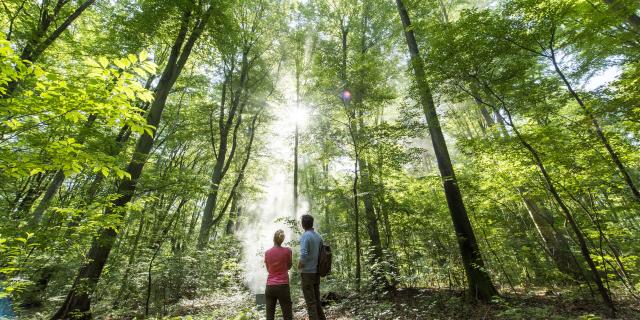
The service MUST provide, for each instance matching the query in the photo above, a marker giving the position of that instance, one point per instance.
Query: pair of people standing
(279, 260)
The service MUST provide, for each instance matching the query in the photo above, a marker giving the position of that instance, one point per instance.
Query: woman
(278, 262)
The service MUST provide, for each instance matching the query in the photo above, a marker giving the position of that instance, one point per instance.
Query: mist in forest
(273, 208)
(262, 219)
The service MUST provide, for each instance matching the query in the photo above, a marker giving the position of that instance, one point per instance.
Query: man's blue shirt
(309, 251)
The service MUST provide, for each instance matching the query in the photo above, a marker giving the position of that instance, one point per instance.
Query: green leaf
(143, 55)
(140, 72)
(132, 58)
(130, 94)
(145, 96)
(103, 62)
(38, 72)
(149, 130)
(35, 171)
(91, 63)
(122, 63)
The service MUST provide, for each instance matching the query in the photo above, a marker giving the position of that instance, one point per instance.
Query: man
(308, 265)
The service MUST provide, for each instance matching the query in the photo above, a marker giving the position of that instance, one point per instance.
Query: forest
(464, 159)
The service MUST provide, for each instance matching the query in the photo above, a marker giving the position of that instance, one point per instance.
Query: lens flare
(346, 96)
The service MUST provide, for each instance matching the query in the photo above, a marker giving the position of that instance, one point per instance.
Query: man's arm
(304, 250)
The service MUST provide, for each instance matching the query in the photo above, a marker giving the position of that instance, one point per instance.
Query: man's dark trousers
(311, 292)
(278, 293)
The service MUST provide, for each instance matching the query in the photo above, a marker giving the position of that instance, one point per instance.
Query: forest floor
(414, 303)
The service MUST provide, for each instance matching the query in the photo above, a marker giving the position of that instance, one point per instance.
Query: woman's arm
(290, 262)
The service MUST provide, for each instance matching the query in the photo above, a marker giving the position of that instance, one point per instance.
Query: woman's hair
(278, 237)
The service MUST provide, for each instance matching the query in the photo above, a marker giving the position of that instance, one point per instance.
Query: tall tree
(480, 284)
(194, 18)
(241, 60)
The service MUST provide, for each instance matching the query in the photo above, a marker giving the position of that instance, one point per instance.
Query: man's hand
(300, 264)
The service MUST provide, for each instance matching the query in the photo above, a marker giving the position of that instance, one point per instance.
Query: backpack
(324, 260)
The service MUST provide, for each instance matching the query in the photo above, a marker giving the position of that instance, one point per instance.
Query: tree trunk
(356, 213)
(296, 139)
(596, 125)
(52, 188)
(123, 292)
(32, 194)
(586, 254)
(243, 167)
(382, 204)
(295, 174)
(223, 160)
(480, 284)
(378, 273)
(78, 301)
(39, 41)
(36, 44)
(356, 210)
(555, 243)
(378, 269)
(58, 178)
(157, 246)
(231, 222)
(325, 196)
(212, 197)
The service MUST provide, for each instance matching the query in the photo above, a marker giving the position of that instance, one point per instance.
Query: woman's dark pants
(282, 294)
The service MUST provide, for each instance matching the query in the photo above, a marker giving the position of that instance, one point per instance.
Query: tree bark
(356, 213)
(479, 282)
(373, 231)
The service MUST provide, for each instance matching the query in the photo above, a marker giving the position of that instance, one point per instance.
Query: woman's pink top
(278, 260)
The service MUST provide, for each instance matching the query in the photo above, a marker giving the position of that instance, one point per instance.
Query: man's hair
(307, 221)
(278, 237)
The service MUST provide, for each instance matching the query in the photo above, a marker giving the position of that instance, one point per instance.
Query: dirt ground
(422, 303)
